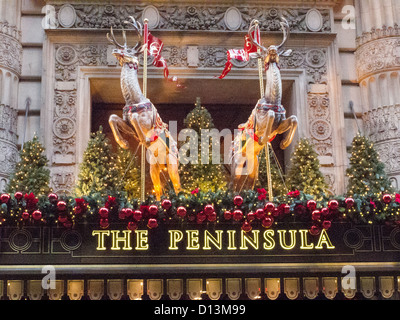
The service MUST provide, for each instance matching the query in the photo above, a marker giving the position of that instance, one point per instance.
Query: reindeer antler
(138, 27)
(253, 26)
(114, 41)
(286, 31)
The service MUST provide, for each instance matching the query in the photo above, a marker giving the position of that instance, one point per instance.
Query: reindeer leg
(116, 123)
(155, 177)
(291, 125)
(266, 136)
(133, 118)
(172, 164)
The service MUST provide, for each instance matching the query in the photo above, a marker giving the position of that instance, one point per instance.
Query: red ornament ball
(78, 210)
(18, 195)
(128, 212)
(246, 227)
(4, 198)
(324, 212)
(387, 198)
(37, 215)
(275, 213)
(238, 201)
(137, 215)
(153, 210)
(316, 215)
(62, 218)
(349, 202)
(212, 216)
(208, 209)
(68, 224)
(61, 205)
(103, 212)
(104, 224)
(201, 216)
(181, 212)
(315, 230)
(251, 216)
(53, 197)
(333, 205)
(260, 214)
(238, 215)
(269, 207)
(267, 222)
(132, 225)
(166, 204)
(227, 215)
(25, 215)
(326, 224)
(311, 205)
(286, 209)
(152, 223)
(122, 214)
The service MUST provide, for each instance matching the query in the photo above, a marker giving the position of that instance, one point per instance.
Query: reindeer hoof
(284, 145)
(124, 144)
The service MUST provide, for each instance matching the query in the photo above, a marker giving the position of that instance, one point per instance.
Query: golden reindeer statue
(268, 118)
(140, 117)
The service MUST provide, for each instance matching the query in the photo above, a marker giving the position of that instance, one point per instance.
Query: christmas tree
(197, 173)
(98, 171)
(304, 172)
(278, 183)
(31, 174)
(129, 173)
(366, 172)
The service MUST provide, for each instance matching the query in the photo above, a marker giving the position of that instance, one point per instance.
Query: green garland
(202, 207)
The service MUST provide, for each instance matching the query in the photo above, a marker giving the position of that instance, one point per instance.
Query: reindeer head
(272, 53)
(123, 53)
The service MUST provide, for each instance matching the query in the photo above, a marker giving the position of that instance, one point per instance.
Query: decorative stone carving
(152, 15)
(378, 56)
(8, 157)
(62, 180)
(377, 34)
(10, 53)
(383, 123)
(198, 17)
(10, 30)
(64, 128)
(314, 20)
(233, 18)
(66, 16)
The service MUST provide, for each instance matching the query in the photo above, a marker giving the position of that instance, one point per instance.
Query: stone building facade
(55, 62)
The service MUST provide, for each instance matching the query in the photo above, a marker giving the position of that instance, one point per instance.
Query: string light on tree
(366, 172)
(210, 177)
(31, 173)
(304, 173)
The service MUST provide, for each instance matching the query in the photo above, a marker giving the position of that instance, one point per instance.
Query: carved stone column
(10, 70)
(378, 68)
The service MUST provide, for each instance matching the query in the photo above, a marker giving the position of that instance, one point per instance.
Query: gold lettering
(193, 240)
(116, 239)
(231, 240)
(174, 237)
(324, 239)
(282, 239)
(269, 243)
(304, 240)
(245, 238)
(100, 238)
(217, 242)
(141, 240)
